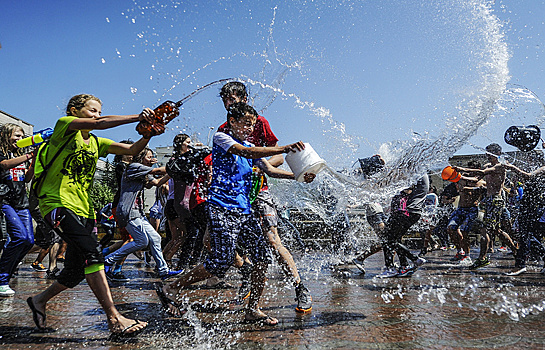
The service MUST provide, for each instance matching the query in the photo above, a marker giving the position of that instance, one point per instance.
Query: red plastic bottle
(164, 113)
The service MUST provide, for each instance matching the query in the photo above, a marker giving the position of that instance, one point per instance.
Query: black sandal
(166, 302)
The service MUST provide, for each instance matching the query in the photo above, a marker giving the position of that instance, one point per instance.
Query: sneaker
(359, 264)
(6, 291)
(419, 262)
(52, 274)
(443, 248)
(517, 271)
(303, 298)
(466, 261)
(480, 263)
(389, 273)
(459, 256)
(244, 290)
(38, 267)
(170, 274)
(502, 249)
(406, 271)
(117, 277)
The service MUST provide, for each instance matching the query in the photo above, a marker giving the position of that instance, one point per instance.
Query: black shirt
(14, 178)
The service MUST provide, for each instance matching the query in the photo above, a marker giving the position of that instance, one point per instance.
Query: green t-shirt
(69, 178)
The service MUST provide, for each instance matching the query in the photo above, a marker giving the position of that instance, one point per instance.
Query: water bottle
(36, 139)
(164, 113)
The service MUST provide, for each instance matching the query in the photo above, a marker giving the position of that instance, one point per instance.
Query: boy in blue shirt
(229, 210)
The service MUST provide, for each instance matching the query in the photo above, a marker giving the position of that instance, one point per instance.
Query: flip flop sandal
(263, 321)
(35, 314)
(166, 302)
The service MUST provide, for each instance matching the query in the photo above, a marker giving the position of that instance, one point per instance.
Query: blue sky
(350, 77)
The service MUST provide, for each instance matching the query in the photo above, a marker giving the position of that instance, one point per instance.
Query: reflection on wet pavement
(439, 307)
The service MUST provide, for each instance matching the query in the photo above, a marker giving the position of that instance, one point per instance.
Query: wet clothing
(494, 208)
(70, 177)
(17, 218)
(463, 218)
(406, 211)
(130, 214)
(264, 207)
(530, 221)
(131, 204)
(230, 218)
(232, 175)
(262, 136)
(64, 196)
(82, 248)
(229, 227)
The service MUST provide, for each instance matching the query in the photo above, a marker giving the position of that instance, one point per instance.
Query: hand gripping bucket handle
(305, 161)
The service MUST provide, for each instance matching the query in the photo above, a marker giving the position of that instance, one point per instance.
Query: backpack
(41, 173)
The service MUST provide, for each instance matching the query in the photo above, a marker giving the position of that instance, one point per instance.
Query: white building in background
(8, 118)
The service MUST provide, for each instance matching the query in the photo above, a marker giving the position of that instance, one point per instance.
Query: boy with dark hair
(231, 220)
(264, 205)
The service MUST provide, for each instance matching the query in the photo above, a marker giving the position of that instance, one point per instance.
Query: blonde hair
(6, 131)
(79, 102)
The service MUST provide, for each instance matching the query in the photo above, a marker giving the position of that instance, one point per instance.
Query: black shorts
(82, 250)
(170, 211)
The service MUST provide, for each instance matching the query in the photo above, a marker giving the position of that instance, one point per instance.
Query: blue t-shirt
(231, 175)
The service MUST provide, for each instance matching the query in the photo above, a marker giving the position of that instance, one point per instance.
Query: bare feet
(257, 316)
(124, 326)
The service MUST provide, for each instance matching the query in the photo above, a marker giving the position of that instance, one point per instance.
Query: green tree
(101, 194)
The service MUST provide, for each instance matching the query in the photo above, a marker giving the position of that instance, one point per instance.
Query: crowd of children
(215, 215)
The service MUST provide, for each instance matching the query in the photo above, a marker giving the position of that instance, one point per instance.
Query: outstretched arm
(107, 122)
(262, 152)
(129, 150)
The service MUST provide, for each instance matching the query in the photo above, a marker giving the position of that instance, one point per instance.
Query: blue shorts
(463, 218)
(377, 219)
(229, 228)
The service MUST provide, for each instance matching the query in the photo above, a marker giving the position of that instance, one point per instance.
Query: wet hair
(239, 110)
(234, 88)
(6, 131)
(140, 156)
(494, 148)
(79, 102)
(119, 157)
(178, 142)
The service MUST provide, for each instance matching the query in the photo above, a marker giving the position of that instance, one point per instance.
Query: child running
(230, 216)
(15, 206)
(65, 167)
(130, 214)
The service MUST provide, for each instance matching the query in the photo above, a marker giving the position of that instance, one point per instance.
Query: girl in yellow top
(64, 173)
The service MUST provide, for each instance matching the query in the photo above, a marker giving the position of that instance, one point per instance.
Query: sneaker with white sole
(419, 262)
(389, 273)
(518, 271)
(6, 291)
(466, 261)
(406, 271)
(359, 264)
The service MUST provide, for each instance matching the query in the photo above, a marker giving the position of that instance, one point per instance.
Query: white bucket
(305, 161)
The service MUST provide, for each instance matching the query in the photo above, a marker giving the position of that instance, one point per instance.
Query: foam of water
(469, 27)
